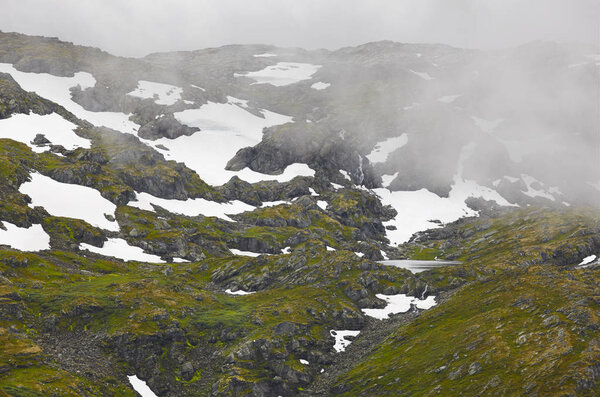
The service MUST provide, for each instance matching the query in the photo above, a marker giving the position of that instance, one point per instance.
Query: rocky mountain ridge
(235, 209)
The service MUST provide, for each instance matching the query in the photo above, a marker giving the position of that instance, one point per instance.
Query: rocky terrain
(212, 221)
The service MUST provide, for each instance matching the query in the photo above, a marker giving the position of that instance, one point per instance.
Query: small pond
(417, 266)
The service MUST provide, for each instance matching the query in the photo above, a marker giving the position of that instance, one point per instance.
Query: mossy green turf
(500, 324)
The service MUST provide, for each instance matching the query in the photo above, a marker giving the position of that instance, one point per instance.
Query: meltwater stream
(417, 266)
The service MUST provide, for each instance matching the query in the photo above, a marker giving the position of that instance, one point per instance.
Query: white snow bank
(416, 208)
(33, 238)
(245, 253)
(68, 200)
(423, 75)
(119, 248)
(57, 88)
(282, 73)
(24, 128)
(238, 292)
(587, 260)
(388, 179)
(383, 149)
(163, 94)
(531, 191)
(346, 175)
(141, 387)
(264, 55)
(226, 128)
(449, 98)
(398, 304)
(191, 207)
(340, 339)
(320, 85)
(322, 204)
(302, 361)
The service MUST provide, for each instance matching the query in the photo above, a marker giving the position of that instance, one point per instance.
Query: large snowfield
(57, 89)
(24, 128)
(69, 200)
(282, 73)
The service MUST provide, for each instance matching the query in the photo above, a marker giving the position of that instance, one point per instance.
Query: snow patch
(532, 192)
(340, 338)
(400, 303)
(163, 94)
(245, 253)
(33, 238)
(68, 200)
(322, 204)
(57, 90)
(587, 260)
(264, 55)
(383, 149)
(191, 207)
(320, 85)
(302, 361)
(238, 292)
(119, 248)
(416, 208)
(141, 387)
(226, 128)
(24, 127)
(282, 73)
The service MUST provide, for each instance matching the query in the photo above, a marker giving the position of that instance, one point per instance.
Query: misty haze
(299, 198)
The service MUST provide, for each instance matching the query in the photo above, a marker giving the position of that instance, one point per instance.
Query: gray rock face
(165, 127)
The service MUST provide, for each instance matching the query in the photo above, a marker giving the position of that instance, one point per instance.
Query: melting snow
(531, 192)
(191, 207)
(238, 292)
(423, 75)
(57, 88)
(382, 150)
(320, 85)
(282, 73)
(302, 361)
(119, 248)
(345, 175)
(330, 248)
(33, 238)
(286, 250)
(164, 94)
(226, 128)
(417, 208)
(340, 338)
(24, 128)
(312, 191)
(141, 387)
(322, 204)
(388, 179)
(68, 200)
(245, 253)
(398, 304)
(587, 260)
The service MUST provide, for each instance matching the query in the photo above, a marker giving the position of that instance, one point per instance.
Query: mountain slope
(210, 221)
